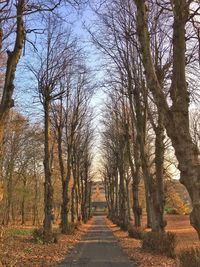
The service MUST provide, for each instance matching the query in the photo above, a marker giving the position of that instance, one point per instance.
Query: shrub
(135, 232)
(163, 243)
(116, 221)
(38, 236)
(71, 227)
(189, 257)
(123, 226)
(172, 211)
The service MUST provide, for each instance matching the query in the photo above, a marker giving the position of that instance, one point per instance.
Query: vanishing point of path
(98, 248)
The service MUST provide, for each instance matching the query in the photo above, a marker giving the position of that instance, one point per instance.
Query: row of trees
(152, 49)
(62, 143)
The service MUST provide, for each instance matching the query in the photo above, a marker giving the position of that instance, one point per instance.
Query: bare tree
(176, 116)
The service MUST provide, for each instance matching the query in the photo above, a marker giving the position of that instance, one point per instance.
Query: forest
(100, 90)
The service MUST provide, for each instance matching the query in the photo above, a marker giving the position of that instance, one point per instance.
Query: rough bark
(65, 207)
(13, 58)
(148, 179)
(176, 118)
(135, 177)
(48, 188)
(159, 163)
(123, 214)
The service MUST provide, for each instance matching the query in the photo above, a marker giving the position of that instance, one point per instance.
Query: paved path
(98, 248)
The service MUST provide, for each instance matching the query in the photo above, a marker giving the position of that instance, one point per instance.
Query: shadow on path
(98, 248)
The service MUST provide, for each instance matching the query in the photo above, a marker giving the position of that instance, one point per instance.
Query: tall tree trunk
(65, 195)
(65, 207)
(48, 188)
(89, 201)
(148, 179)
(123, 215)
(23, 202)
(116, 196)
(176, 118)
(135, 173)
(137, 211)
(35, 203)
(159, 163)
(73, 203)
(7, 217)
(13, 58)
(23, 211)
(128, 199)
(86, 196)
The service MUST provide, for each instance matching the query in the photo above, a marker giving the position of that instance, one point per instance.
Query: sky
(26, 100)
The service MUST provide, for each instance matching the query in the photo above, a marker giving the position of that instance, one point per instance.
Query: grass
(18, 249)
(19, 231)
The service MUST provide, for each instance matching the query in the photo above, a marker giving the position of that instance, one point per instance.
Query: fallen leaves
(21, 251)
(133, 249)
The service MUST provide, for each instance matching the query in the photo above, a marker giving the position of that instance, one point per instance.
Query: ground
(186, 237)
(18, 249)
(98, 248)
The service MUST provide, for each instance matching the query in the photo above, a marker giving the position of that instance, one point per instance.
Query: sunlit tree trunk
(176, 118)
(7, 101)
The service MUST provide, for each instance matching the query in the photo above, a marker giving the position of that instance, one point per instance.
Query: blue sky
(25, 96)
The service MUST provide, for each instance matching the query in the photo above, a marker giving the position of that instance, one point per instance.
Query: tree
(121, 48)
(176, 116)
(69, 118)
(52, 64)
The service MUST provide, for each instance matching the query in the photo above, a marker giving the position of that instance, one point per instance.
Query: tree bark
(159, 163)
(176, 118)
(48, 188)
(13, 58)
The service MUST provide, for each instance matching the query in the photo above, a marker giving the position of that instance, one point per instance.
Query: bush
(71, 227)
(39, 237)
(135, 232)
(163, 243)
(190, 257)
(116, 221)
(172, 211)
(123, 226)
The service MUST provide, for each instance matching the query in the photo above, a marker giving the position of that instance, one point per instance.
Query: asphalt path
(98, 248)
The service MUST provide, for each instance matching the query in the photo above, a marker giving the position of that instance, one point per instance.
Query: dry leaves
(133, 249)
(22, 251)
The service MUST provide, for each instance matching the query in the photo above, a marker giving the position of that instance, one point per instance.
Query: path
(98, 248)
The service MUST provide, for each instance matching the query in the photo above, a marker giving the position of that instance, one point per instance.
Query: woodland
(120, 106)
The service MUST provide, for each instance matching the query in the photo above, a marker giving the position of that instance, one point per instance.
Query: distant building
(98, 197)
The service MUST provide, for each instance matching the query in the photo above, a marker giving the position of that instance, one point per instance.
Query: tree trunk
(116, 196)
(13, 58)
(159, 163)
(65, 207)
(23, 211)
(35, 203)
(176, 118)
(48, 189)
(123, 215)
(7, 217)
(128, 199)
(73, 203)
(148, 179)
